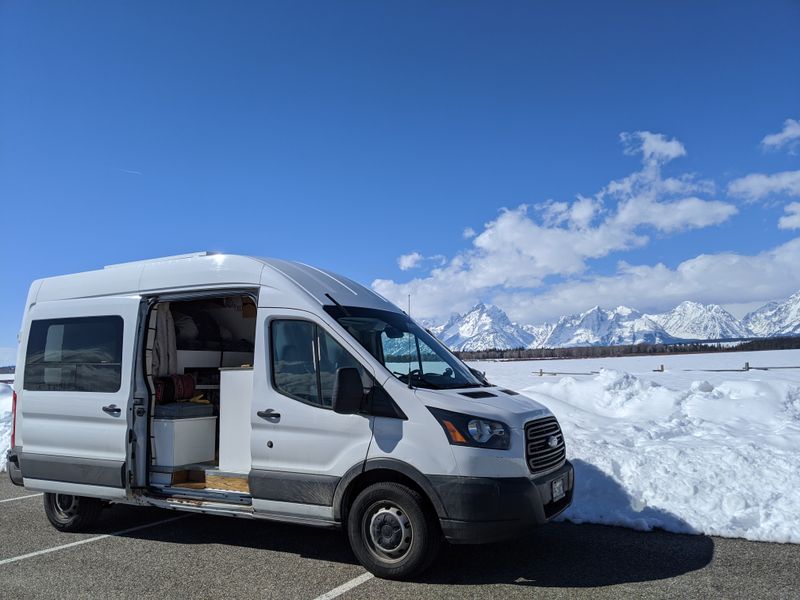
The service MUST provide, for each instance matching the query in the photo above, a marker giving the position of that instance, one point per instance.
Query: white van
(268, 389)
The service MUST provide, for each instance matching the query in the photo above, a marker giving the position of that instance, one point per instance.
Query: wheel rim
(387, 532)
(66, 506)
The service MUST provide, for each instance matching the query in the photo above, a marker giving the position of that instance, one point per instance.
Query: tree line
(775, 343)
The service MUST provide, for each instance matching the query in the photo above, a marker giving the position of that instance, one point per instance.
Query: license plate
(558, 489)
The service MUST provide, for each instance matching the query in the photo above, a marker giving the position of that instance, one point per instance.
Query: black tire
(71, 513)
(392, 531)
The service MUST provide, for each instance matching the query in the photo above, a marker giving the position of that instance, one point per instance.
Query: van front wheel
(71, 513)
(392, 531)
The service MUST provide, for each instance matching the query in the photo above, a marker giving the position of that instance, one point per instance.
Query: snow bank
(5, 423)
(720, 459)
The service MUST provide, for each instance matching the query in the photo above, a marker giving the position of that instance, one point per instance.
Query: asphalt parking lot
(138, 552)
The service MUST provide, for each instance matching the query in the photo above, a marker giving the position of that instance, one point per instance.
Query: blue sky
(349, 134)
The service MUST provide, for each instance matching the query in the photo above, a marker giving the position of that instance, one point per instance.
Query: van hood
(513, 409)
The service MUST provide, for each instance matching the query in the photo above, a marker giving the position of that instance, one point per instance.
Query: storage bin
(184, 441)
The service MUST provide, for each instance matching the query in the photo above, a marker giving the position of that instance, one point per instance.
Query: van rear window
(81, 354)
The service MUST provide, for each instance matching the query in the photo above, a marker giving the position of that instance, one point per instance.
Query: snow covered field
(686, 451)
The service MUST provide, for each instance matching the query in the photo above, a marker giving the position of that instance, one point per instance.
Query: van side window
(332, 357)
(305, 359)
(293, 365)
(74, 355)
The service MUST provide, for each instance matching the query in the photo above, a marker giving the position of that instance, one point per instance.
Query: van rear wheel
(71, 513)
(392, 531)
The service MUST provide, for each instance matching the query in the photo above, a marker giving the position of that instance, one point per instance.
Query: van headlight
(469, 430)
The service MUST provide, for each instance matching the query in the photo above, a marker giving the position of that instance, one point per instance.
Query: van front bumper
(488, 509)
(12, 466)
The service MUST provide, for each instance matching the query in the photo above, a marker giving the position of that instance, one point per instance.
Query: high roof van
(268, 389)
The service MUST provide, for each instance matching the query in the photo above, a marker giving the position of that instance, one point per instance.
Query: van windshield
(405, 348)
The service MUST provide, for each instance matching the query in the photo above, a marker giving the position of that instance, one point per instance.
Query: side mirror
(348, 391)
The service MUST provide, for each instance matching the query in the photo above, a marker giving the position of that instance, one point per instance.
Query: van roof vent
(162, 259)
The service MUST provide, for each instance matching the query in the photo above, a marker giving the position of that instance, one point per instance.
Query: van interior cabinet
(236, 388)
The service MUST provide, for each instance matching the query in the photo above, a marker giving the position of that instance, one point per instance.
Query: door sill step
(208, 506)
(206, 495)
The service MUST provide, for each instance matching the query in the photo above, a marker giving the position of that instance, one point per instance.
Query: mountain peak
(691, 304)
(695, 321)
(595, 309)
(625, 311)
(776, 318)
(483, 327)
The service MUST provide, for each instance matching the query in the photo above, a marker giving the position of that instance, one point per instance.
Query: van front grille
(544, 445)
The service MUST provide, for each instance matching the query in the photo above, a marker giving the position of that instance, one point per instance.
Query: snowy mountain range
(486, 326)
(775, 318)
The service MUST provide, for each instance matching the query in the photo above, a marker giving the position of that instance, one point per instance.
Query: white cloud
(719, 278)
(522, 247)
(415, 259)
(789, 137)
(687, 213)
(758, 186)
(468, 233)
(653, 146)
(409, 261)
(791, 220)
(579, 214)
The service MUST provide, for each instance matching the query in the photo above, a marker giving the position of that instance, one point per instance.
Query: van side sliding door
(75, 394)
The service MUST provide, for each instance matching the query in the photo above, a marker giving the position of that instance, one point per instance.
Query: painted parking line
(20, 498)
(96, 538)
(345, 587)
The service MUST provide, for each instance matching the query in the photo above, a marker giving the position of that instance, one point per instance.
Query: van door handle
(112, 409)
(269, 415)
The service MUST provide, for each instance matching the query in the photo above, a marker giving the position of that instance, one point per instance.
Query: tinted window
(305, 359)
(74, 355)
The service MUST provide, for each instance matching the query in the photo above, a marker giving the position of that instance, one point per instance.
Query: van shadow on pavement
(586, 555)
(554, 555)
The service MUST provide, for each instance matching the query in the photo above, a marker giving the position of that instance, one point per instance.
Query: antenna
(409, 342)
